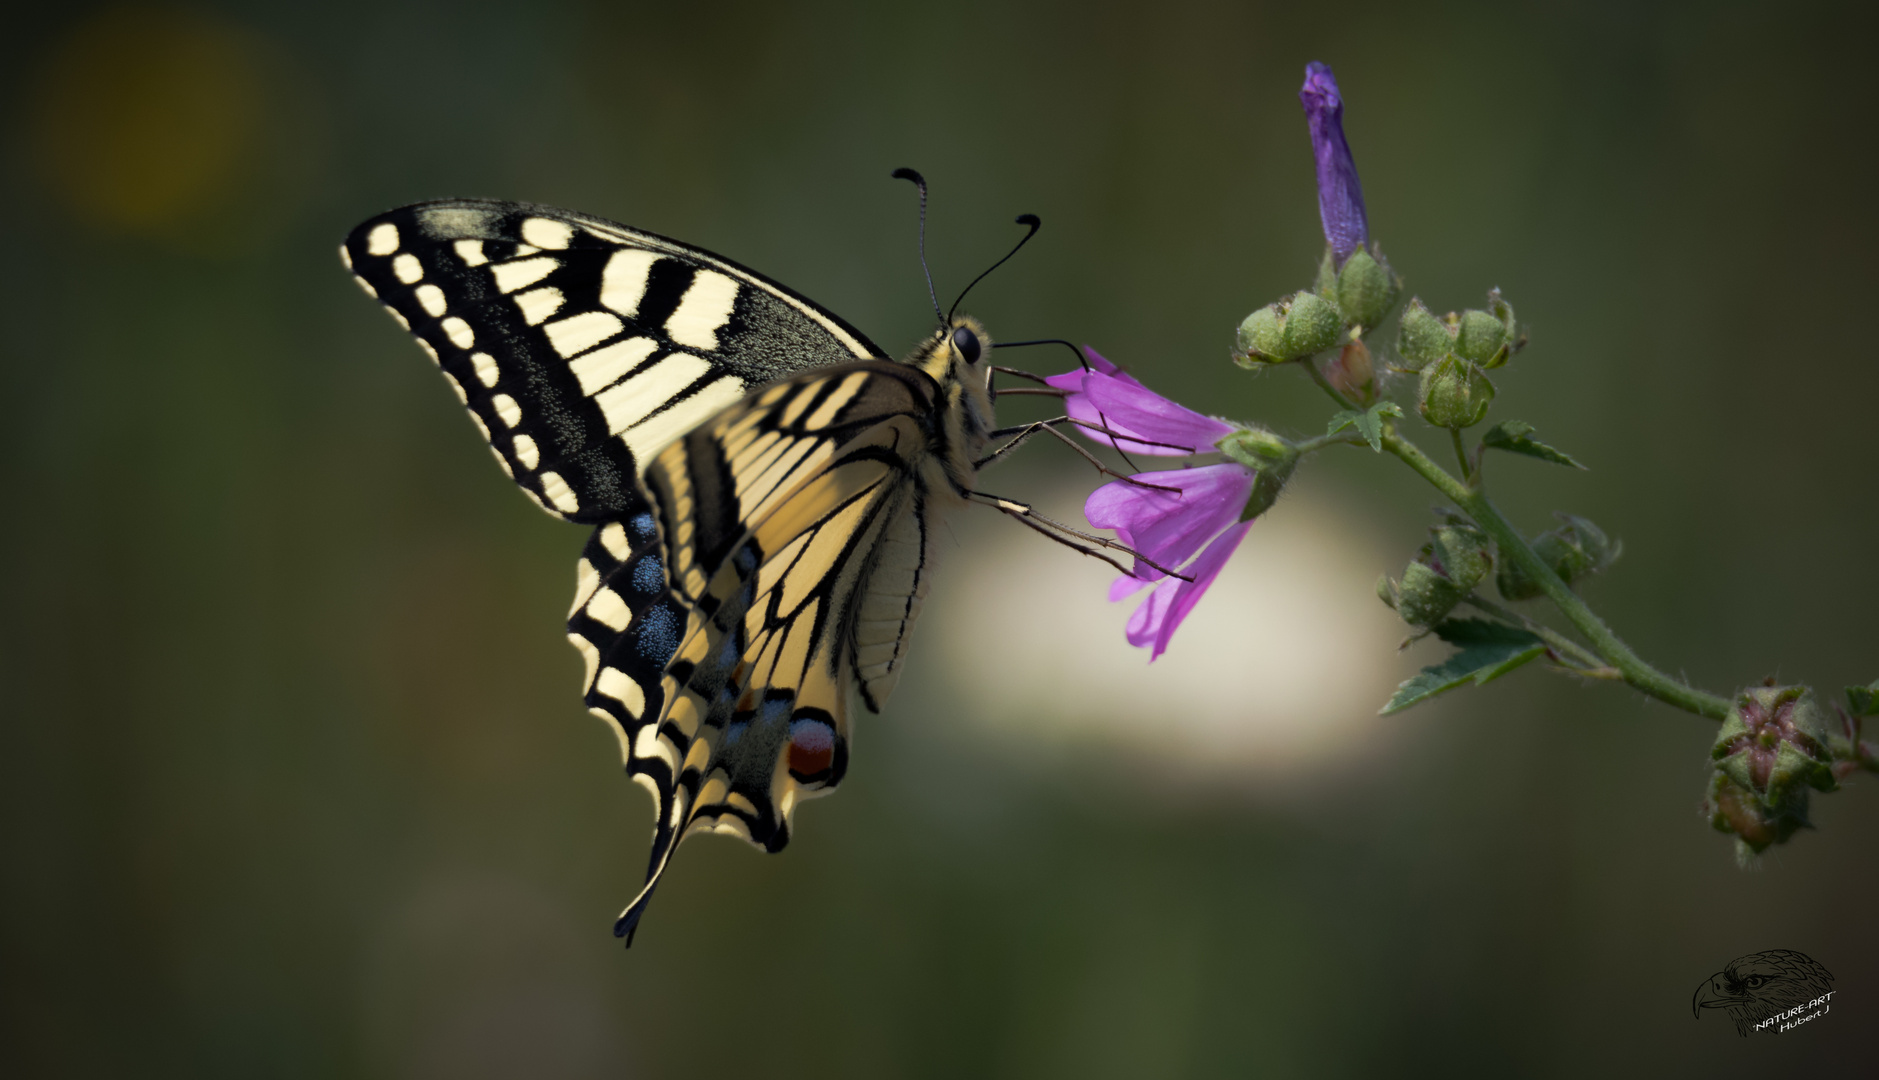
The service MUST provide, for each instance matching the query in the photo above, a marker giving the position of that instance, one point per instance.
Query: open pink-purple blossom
(1157, 618)
(1110, 398)
(1170, 526)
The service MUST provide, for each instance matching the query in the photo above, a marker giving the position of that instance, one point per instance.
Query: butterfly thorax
(960, 366)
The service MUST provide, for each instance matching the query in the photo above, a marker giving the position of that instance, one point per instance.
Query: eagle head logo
(1760, 985)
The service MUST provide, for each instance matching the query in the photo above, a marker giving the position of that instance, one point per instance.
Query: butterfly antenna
(1035, 223)
(920, 182)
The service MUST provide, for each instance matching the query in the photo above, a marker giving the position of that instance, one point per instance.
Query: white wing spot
(607, 608)
(464, 399)
(432, 298)
(367, 286)
(507, 409)
(502, 461)
(623, 282)
(538, 304)
(428, 350)
(397, 318)
(629, 402)
(523, 249)
(703, 311)
(345, 256)
(526, 452)
(613, 538)
(545, 233)
(511, 276)
(486, 370)
(579, 333)
(653, 435)
(586, 580)
(407, 268)
(382, 240)
(459, 332)
(559, 493)
(471, 252)
(601, 367)
(617, 685)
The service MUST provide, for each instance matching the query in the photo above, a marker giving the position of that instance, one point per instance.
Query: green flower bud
(1423, 337)
(1272, 460)
(1772, 748)
(1576, 549)
(1447, 569)
(1366, 290)
(1481, 337)
(1455, 393)
(1291, 329)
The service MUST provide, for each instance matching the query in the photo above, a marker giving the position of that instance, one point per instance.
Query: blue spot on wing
(648, 574)
(658, 634)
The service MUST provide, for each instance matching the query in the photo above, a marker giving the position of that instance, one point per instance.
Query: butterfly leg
(1060, 532)
(1024, 432)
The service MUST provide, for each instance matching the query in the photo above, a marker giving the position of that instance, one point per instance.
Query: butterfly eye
(967, 343)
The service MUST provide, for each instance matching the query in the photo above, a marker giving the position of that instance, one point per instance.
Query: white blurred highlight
(1281, 668)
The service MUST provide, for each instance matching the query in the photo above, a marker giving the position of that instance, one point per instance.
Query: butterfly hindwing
(777, 518)
(582, 347)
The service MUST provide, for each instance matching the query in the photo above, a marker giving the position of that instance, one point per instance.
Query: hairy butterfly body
(762, 479)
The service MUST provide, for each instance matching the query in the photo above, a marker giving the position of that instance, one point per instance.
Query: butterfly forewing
(582, 347)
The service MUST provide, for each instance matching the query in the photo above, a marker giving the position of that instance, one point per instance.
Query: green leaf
(1511, 436)
(1485, 651)
(1368, 423)
(1864, 699)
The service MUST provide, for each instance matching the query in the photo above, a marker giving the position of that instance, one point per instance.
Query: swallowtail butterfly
(762, 482)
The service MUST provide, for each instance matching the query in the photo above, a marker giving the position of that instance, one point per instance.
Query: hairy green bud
(1365, 290)
(1447, 569)
(1576, 549)
(1455, 393)
(1291, 329)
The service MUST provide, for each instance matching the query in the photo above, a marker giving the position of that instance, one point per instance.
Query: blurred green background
(296, 778)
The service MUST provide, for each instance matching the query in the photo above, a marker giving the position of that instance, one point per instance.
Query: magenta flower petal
(1340, 196)
(1110, 398)
(1124, 587)
(1145, 625)
(1170, 526)
(1203, 570)
(1137, 410)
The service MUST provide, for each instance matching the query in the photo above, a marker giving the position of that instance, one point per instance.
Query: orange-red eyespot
(811, 749)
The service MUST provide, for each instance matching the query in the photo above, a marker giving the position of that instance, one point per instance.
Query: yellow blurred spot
(143, 116)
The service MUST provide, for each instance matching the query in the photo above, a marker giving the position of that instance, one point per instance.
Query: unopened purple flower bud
(1340, 196)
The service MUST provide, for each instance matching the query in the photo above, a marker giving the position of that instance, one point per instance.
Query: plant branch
(1640, 675)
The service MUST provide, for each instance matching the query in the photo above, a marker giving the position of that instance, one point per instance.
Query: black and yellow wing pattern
(760, 477)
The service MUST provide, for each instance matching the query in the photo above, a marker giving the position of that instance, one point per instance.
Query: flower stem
(1461, 456)
(1311, 365)
(1561, 643)
(1640, 675)
(1319, 442)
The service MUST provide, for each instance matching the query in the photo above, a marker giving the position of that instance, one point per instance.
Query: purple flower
(1156, 620)
(1170, 517)
(1109, 397)
(1340, 196)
